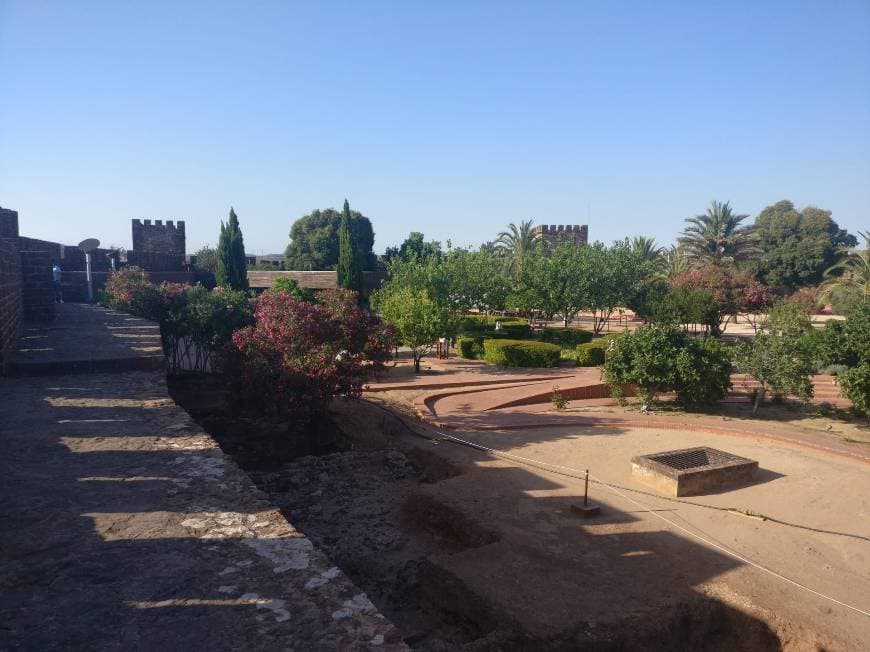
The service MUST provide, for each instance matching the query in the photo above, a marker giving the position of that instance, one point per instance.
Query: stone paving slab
(124, 526)
(85, 338)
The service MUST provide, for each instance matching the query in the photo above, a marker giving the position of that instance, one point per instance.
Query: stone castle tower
(554, 235)
(159, 238)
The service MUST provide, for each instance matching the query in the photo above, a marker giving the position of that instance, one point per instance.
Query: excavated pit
(424, 531)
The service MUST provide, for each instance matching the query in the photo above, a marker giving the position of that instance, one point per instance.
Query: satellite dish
(89, 245)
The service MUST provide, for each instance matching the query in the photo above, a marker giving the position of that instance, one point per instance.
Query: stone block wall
(37, 291)
(262, 280)
(155, 261)
(11, 309)
(158, 237)
(74, 260)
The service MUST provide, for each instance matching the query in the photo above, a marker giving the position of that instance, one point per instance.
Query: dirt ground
(464, 550)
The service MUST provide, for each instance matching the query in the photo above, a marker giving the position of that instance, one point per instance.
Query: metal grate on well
(694, 458)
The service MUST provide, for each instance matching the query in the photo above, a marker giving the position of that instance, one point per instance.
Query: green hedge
(470, 347)
(566, 337)
(521, 353)
(514, 327)
(591, 354)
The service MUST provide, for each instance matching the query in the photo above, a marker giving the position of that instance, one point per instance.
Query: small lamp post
(88, 246)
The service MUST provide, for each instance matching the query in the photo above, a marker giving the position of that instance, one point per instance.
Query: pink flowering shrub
(129, 290)
(732, 292)
(299, 355)
(806, 299)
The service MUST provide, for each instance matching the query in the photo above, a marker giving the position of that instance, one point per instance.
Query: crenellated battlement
(159, 237)
(554, 234)
(179, 225)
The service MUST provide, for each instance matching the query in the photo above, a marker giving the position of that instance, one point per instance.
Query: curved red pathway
(476, 396)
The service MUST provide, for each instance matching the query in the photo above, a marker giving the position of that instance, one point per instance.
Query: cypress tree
(349, 271)
(232, 267)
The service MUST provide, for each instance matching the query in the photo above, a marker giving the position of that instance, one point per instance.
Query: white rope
(648, 508)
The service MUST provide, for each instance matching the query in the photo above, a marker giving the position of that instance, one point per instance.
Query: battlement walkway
(124, 526)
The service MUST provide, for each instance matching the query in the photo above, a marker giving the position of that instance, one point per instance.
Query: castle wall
(11, 308)
(555, 234)
(158, 237)
(37, 290)
(158, 246)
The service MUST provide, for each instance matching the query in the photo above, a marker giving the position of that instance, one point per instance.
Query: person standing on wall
(56, 272)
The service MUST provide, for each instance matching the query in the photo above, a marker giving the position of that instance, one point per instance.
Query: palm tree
(717, 237)
(647, 249)
(676, 262)
(517, 243)
(852, 270)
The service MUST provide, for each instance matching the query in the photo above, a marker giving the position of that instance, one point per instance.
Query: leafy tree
(206, 259)
(232, 266)
(843, 297)
(349, 268)
(423, 301)
(778, 357)
(199, 324)
(290, 286)
(732, 292)
(828, 345)
(612, 276)
(716, 237)
(266, 266)
(857, 333)
(855, 383)
(851, 271)
(417, 319)
(786, 319)
(558, 283)
(755, 300)
(314, 241)
(647, 297)
(658, 359)
(414, 246)
(686, 306)
(570, 279)
(797, 246)
(517, 244)
(477, 279)
(703, 373)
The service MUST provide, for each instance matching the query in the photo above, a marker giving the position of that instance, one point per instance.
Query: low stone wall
(317, 280)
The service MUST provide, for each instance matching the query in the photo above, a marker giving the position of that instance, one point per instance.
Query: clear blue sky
(448, 118)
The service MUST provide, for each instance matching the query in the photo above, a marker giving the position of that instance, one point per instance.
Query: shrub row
(521, 353)
(470, 347)
(514, 327)
(590, 354)
(566, 337)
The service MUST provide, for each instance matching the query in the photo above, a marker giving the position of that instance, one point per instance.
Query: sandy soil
(462, 549)
(465, 550)
(825, 501)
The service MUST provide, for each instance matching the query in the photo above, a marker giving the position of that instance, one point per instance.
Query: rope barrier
(657, 515)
